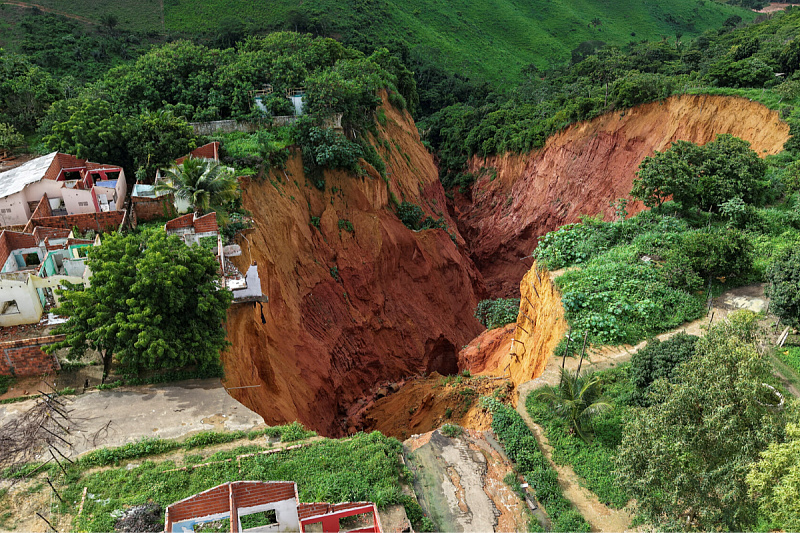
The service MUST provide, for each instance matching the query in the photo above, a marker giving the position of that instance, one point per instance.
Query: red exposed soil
(352, 312)
(583, 168)
(348, 310)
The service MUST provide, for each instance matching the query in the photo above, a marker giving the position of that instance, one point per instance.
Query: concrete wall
(14, 209)
(26, 358)
(253, 285)
(223, 126)
(29, 308)
(73, 198)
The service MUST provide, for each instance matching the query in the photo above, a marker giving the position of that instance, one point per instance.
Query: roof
(207, 151)
(14, 180)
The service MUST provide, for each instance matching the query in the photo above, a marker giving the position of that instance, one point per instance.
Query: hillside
(584, 168)
(459, 36)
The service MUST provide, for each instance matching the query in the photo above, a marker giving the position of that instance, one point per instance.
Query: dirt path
(598, 515)
(601, 517)
(772, 7)
(48, 10)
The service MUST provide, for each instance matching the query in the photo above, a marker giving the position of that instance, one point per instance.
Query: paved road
(131, 413)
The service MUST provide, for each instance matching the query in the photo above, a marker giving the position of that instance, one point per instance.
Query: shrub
(451, 430)
(9, 138)
(715, 254)
(522, 448)
(784, 287)
(658, 360)
(294, 432)
(346, 225)
(413, 217)
(497, 313)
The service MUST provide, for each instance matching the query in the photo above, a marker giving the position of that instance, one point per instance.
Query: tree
(659, 360)
(775, 479)
(204, 183)
(92, 131)
(9, 138)
(153, 303)
(577, 400)
(154, 139)
(702, 176)
(784, 287)
(109, 20)
(685, 458)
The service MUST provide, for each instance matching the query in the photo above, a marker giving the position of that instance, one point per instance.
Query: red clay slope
(586, 166)
(348, 310)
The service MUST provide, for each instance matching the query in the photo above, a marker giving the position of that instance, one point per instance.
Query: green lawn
(791, 356)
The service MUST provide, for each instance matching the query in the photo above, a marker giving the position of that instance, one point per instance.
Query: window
(9, 308)
(260, 519)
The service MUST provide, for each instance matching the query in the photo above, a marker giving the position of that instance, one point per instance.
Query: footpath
(601, 517)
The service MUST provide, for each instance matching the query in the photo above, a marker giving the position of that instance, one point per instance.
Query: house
(268, 506)
(72, 185)
(199, 229)
(33, 264)
(191, 227)
(207, 151)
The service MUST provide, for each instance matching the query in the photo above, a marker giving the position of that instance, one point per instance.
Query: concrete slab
(459, 483)
(128, 414)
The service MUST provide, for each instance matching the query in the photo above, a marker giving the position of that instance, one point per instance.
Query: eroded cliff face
(347, 310)
(520, 351)
(584, 168)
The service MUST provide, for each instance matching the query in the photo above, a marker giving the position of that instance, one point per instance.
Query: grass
(5, 383)
(790, 355)
(461, 34)
(522, 448)
(139, 15)
(364, 467)
(593, 462)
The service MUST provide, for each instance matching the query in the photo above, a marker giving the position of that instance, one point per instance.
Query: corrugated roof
(14, 180)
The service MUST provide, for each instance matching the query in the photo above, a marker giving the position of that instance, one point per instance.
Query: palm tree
(204, 183)
(577, 401)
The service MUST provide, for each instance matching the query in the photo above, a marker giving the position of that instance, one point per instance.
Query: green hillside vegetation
(740, 61)
(457, 36)
(463, 35)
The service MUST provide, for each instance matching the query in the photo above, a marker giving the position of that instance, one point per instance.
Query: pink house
(72, 185)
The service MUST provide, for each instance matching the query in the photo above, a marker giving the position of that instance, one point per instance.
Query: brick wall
(207, 151)
(43, 208)
(206, 223)
(212, 501)
(41, 233)
(26, 358)
(252, 493)
(5, 248)
(18, 240)
(306, 510)
(153, 208)
(103, 222)
(184, 221)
